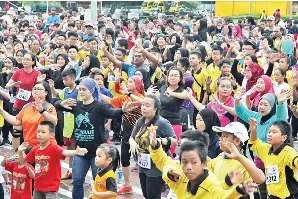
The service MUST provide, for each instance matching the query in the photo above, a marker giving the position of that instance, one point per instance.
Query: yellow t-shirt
(101, 183)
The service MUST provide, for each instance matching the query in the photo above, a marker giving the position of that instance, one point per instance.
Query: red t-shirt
(47, 167)
(21, 186)
(24, 91)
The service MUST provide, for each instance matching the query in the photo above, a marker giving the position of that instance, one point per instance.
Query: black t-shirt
(170, 105)
(89, 131)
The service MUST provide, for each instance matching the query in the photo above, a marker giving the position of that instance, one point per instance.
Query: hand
(253, 124)
(90, 196)
(41, 77)
(283, 96)
(55, 67)
(68, 103)
(234, 152)
(37, 104)
(81, 151)
(152, 89)
(124, 89)
(294, 78)
(102, 45)
(293, 107)
(249, 187)
(51, 83)
(168, 93)
(23, 146)
(235, 176)
(188, 92)
(239, 94)
(175, 174)
(8, 188)
(240, 56)
(130, 106)
(251, 91)
(217, 100)
(208, 81)
(17, 84)
(152, 135)
(133, 146)
(6, 157)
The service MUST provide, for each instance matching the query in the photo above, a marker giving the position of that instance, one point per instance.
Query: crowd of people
(203, 105)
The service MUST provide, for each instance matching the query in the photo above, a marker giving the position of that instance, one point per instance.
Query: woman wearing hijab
(203, 31)
(181, 52)
(134, 86)
(60, 64)
(237, 33)
(207, 118)
(90, 115)
(143, 73)
(91, 61)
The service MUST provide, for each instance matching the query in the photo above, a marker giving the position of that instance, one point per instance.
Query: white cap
(236, 128)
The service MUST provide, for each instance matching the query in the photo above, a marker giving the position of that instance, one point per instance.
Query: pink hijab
(256, 97)
(238, 32)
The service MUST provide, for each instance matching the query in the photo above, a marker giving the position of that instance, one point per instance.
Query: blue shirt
(53, 19)
(106, 92)
(86, 37)
(129, 69)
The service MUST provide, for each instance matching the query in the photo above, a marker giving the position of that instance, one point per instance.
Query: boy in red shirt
(22, 175)
(47, 158)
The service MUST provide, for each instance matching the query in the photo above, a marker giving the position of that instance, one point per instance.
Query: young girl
(107, 158)
(279, 83)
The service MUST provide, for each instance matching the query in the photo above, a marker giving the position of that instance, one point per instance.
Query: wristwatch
(42, 110)
(8, 183)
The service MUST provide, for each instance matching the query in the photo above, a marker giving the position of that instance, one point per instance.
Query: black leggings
(1, 192)
(151, 186)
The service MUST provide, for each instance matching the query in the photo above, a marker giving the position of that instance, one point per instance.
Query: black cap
(170, 21)
(247, 42)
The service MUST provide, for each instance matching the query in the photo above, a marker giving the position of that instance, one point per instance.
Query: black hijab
(94, 63)
(146, 77)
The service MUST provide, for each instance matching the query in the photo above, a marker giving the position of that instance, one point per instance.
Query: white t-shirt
(279, 88)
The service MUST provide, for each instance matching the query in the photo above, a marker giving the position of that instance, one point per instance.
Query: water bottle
(119, 176)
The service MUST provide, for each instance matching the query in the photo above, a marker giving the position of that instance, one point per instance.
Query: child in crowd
(47, 158)
(107, 158)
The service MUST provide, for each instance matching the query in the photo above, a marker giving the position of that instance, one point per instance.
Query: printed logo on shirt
(85, 130)
(41, 164)
(19, 182)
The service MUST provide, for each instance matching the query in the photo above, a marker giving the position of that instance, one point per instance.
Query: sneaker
(66, 176)
(5, 142)
(135, 169)
(125, 190)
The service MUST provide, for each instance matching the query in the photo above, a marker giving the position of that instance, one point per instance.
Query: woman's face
(9, 48)
(200, 124)
(247, 59)
(60, 61)
(51, 59)
(247, 73)
(264, 44)
(264, 107)
(131, 86)
(260, 85)
(174, 77)
(148, 109)
(139, 74)
(234, 31)
(8, 63)
(17, 47)
(161, 41)
(13, 31)
(184, 30)
(84, 93)
(173, 39)
(19, 57)
(27, 61)
(178, 55)
(225, 88)
(38, 91)
(87, 61)
(9, 39)
(278, 77)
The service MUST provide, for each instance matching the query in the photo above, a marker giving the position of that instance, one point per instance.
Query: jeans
(151, 186)
(80, 167)
(45, 195)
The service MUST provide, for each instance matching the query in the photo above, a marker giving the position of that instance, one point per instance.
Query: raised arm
(111, 57)
(10, 118)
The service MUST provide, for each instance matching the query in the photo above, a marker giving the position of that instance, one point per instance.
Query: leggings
(178, 131)
(151, 186)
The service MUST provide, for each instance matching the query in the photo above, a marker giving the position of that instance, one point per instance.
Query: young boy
(47, 158)
(280, 160)
(195, 182)
(70, 91)
(22, 175)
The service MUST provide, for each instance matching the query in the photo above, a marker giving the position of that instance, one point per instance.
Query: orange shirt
(30, 119)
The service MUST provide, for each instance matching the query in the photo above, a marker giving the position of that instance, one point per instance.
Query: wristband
(8, 183)
(129, 94)
(43, 110)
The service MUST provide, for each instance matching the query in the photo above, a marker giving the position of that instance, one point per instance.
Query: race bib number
(111, 78)
(272, 174)
(24, 94)
(37, 168)
(144, 160)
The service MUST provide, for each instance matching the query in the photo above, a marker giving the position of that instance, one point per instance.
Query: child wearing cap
(232, 138)
(280, 159)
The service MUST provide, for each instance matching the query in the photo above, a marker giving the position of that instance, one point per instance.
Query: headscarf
(65, 57)
(184, 52)
(257, 71)
(238, 31)
(146, 77)
(92, 86)
(288, 47)
(272, 99)
(139, 84)
(210, 119)
(14, 61)
(130, 43)
(256, 97)
(94, 63)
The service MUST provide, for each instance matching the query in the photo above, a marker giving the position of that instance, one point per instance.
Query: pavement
(66, 186)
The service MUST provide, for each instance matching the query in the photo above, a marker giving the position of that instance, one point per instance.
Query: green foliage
(190, 4)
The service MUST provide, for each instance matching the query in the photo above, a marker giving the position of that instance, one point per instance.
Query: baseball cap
(89, 25)
(235, 128)
(270, 18)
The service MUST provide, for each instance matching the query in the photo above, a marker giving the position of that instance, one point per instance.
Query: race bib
(272, 174)
(111, 78)
(37, 168)
(144, 160)
(24, 94)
